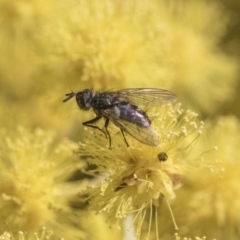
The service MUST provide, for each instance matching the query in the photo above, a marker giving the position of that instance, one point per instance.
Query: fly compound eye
(162, 157)
(84, 99)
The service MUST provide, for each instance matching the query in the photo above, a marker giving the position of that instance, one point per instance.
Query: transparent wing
(145, 135)
(146, 96)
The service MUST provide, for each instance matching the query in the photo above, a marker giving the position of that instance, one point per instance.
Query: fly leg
(90, 122)
(124, 137)
(107, 132)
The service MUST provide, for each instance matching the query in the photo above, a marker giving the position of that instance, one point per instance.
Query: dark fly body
(121, 108)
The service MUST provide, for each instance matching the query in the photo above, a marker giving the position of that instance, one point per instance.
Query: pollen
(34, 168)
(134, 179)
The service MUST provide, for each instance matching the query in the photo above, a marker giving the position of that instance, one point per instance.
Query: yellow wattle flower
(208, 203)
(34, 169)
(135, 179)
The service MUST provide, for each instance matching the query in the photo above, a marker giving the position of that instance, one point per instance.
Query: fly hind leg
(124, 137)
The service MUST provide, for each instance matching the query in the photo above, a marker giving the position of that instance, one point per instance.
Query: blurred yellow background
(49, 48)
(192, 48)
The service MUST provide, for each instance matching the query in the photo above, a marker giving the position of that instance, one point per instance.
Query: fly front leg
(92, 121)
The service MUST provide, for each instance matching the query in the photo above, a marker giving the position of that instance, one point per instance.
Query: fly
(121, 108)
(162, 157)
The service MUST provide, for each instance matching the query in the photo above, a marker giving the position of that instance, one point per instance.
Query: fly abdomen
(133, 114)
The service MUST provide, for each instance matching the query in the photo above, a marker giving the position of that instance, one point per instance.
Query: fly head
(84, 99)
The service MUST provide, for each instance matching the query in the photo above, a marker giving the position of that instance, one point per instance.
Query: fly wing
(145, 135)
(146, 96)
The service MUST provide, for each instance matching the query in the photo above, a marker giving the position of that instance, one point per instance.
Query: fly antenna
(69, 96)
